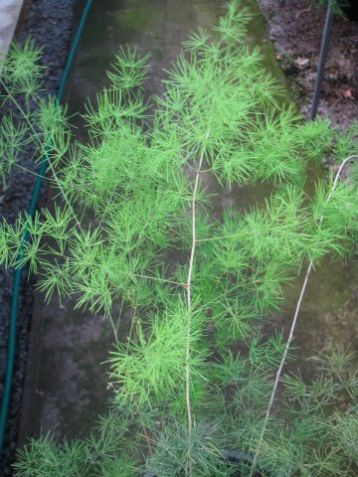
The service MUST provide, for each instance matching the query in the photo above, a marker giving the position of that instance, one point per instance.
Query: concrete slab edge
(10, 12)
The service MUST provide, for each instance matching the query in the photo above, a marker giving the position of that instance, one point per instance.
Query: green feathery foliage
(104, 453)
(195, 374)
(145, 378)
(22, 72)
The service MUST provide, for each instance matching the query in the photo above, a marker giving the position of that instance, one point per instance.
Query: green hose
(16, 287)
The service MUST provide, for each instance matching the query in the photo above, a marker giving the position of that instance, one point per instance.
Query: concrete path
(10, 11)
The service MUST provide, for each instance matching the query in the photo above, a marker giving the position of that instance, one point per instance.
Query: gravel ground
(49, 23)
(295, 27)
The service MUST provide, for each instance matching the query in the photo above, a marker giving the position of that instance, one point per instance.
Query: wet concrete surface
(328, 320)
(157, 27)
(66, 385)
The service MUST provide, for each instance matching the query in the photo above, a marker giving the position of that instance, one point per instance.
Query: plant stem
(34, 173)
(189, 301)
(163, 280)
(222, 237)
(292, 330)
(133, 326)
(114, 328)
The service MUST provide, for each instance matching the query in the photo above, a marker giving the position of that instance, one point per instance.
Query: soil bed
(49, 23)
(295, 27)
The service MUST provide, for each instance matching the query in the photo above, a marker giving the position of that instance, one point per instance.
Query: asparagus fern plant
(134, 223)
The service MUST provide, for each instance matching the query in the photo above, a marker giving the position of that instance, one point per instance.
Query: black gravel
(50, 24)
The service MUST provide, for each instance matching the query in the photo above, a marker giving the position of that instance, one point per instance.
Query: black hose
(322, 61)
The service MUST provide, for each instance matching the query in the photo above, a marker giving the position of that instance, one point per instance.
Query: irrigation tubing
(326, 37)
(16, 286)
